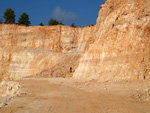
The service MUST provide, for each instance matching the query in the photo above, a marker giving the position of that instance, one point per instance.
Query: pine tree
(41, 24)
(24, 20)
(9, 16)
(53, 22)
(72, 25)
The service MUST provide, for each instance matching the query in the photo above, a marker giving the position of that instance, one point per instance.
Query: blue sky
(80, 12)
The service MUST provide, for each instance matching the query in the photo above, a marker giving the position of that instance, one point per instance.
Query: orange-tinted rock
(47, 51)
(116, 48)
(122, 47)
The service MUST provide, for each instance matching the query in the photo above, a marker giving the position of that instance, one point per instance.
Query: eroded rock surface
(116, 48)
(122, 47)
(47, 51)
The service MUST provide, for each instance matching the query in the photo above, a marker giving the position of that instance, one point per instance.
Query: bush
(41, 24)
(55, 22)
(72, 25)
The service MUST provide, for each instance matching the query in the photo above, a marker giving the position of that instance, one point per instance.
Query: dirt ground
(61, 95)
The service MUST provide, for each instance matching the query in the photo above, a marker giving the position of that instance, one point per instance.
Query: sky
(80, 12)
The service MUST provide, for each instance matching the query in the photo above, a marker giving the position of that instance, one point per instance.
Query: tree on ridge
(41, 24)
(24, 20)
(54, 22)
(9, 16)
(72, 25)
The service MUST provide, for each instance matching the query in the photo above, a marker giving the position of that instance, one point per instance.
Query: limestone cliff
(122, 46)
(55, 38)
(116, 48)
(47, 51)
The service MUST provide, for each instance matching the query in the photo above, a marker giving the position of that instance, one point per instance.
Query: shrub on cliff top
(54, 22)
(41, 24)
(72, 25)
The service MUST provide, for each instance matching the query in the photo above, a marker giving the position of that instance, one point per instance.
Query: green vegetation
(90, 25)
(24, 20)
(72, 25)
(41, 24)
(1, 21)
(9, 16)
(60, 23)
(54, 22)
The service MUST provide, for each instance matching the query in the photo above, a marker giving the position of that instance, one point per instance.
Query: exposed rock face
(40, 51)
(117, 48)
(122, 46)
(56, 38)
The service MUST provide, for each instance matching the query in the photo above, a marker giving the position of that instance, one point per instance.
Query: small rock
(3, 104)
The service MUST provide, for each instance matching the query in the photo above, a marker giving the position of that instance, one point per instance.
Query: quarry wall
(122, 47)
(34, 50)
(116, 48)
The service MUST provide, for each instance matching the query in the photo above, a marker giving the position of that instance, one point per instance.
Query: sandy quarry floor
(67, 96)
